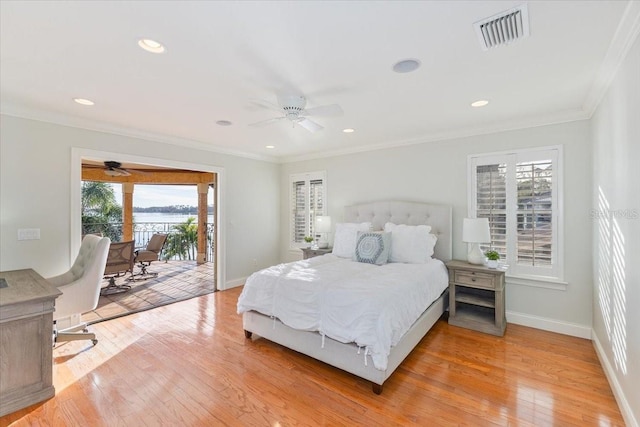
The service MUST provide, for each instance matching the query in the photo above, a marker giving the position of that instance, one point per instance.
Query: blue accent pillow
(373, 247)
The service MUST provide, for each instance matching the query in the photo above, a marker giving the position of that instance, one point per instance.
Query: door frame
(77, 154)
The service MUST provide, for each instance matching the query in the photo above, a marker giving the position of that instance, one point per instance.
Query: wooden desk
(26, 339)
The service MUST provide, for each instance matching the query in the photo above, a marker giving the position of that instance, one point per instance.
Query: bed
(328, 345)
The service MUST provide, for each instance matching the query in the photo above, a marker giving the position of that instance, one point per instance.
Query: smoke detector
(503, 28)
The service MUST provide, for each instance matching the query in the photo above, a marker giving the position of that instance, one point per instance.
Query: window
(308, 196)
(519, 192)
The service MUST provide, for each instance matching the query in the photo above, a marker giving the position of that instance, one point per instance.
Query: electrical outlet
(29, 234)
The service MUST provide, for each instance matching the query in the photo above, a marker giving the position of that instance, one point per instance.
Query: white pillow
(344, 241)
(410, 243)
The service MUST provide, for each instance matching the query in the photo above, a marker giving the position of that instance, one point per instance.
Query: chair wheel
(94, 341)
(85, 330)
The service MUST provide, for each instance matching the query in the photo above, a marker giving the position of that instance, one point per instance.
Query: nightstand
(310, 253)
(476, 297)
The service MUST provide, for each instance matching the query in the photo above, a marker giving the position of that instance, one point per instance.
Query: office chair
(80, 287)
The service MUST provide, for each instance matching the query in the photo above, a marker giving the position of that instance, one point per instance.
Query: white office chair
(80, 287)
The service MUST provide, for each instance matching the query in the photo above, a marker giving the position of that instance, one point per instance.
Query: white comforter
(347, 301)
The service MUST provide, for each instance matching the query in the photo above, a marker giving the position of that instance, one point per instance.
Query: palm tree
(100, 211)
(184, 242)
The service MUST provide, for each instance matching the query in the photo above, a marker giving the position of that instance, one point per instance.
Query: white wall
(437, 172)
(35, 163)
(616, 231)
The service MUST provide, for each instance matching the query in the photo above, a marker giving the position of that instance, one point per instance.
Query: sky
(145, 196)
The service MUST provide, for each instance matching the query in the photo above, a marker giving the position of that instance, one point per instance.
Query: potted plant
(492, 258)
(308, 239)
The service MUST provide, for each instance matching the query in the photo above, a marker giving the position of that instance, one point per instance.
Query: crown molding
(623, 39)
(98, 126)
(542, 120)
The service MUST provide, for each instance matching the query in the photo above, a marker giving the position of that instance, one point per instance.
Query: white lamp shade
(323, 224)
(476, 230)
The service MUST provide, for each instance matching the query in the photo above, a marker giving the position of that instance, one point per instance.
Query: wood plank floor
(188, 364)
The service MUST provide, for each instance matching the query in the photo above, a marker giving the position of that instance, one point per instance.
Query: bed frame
(346, 356)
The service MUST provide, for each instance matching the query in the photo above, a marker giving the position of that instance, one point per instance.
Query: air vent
(503, 28)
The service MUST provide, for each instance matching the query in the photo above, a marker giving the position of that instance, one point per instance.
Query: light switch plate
(29, 234)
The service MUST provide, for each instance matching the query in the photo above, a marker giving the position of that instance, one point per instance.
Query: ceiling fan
(292, 108)
(111, 168)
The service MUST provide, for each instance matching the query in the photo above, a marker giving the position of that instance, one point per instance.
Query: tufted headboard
(410, 213)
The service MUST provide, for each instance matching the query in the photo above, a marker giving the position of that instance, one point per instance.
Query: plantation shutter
(534, 213)
(491, 202)
(299, 213)
(308, 192)
(518, 193)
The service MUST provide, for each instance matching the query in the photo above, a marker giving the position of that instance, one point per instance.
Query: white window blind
(519, 192)
(308, 194)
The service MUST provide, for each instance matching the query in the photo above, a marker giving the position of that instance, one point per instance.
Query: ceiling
(222, 55)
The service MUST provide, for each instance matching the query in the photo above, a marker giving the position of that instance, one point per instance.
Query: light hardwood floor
(189, 364)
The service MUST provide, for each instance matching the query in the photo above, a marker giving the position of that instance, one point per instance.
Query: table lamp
(474, 232)
(323, 227)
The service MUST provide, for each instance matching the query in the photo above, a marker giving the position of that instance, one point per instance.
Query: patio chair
(144, 257)
(119, 263)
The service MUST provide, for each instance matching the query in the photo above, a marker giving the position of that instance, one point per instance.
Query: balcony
(177, 280)
(179, 275)
(180, 245)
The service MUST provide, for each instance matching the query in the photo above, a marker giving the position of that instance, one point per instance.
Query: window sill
(538, 282)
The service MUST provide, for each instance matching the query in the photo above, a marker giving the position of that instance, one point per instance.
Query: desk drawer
(477, 280)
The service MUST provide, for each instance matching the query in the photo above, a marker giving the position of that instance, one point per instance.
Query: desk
(26, 339)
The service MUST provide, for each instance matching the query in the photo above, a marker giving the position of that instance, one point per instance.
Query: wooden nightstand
(476, 297)
(310, 253)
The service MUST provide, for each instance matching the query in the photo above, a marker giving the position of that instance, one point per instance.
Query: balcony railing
(178, 247)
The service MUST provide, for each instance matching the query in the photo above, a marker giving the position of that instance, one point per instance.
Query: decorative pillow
(372, 247)
(344, 241)
(410, 243)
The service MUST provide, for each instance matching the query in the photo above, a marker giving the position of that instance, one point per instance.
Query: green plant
(308, 239)
(492, 255)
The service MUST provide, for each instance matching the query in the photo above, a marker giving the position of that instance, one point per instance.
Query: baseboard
(623, 403)
(234, 283)
(551, 325)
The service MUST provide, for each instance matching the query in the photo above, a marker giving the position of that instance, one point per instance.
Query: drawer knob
(473, 279)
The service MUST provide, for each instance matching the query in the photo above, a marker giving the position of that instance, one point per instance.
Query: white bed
(384, 357)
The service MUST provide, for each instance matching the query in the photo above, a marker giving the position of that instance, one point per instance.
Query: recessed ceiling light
(83, 101)
(348, 130)
(406, 66)
(480, 103)
(151, 45)
(224, 123)
(270, 146)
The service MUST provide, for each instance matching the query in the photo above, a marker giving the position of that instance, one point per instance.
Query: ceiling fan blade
(266, 122)
(324, 110)
(310, 125)
(266, 104)
(139, 172)
(122, 172)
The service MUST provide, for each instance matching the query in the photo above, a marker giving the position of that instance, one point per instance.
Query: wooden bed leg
(377, 388)
(247, 334)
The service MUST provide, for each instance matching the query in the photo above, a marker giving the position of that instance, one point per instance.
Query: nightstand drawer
(472, 278)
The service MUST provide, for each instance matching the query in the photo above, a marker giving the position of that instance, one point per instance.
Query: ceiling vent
(503, 28)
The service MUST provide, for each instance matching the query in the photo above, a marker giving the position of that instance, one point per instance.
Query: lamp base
(475, 255)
